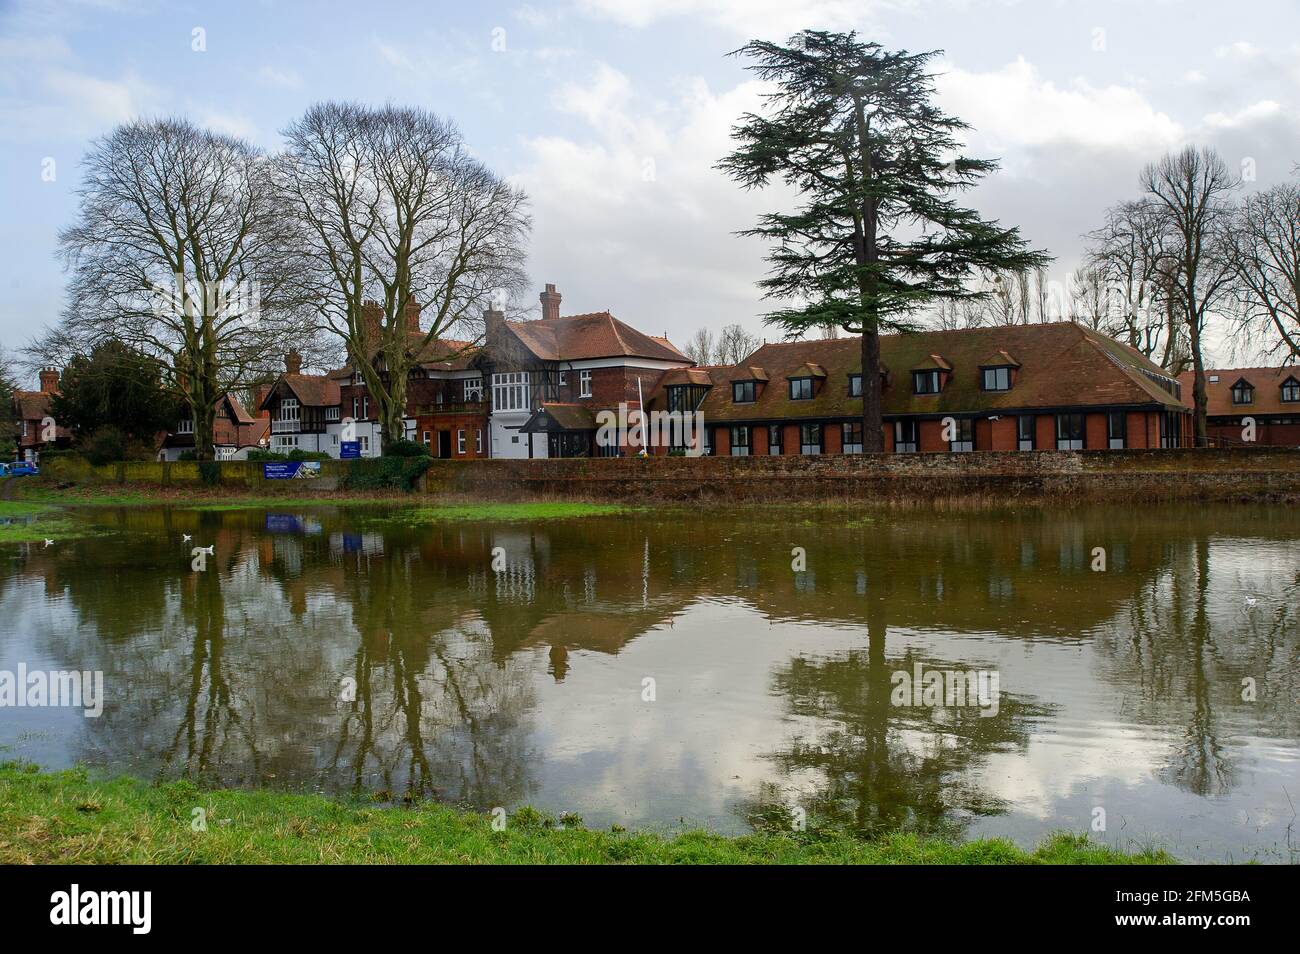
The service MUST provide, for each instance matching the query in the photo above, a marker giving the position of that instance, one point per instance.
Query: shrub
(405, 448)
(105, 446)
(384, 473)
(188, 455)
(296, 454)
(265, 455)
(210, 472)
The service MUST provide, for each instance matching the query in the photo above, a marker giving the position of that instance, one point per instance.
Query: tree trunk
(392, 408)
(1199, 428)
(204, 417)
(873, 426)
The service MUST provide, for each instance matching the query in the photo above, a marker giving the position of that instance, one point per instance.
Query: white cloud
(1015, 107)
(1265, 109)
(768, 19)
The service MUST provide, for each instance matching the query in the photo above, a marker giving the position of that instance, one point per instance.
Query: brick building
(1270, 397)
(234, 433)
(550, 378)
(34, 431)
(1021, 387)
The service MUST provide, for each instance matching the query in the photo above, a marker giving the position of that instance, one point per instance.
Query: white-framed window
(334, 439)
(286, 415)
(184, 427)
(478, 441)
(584, 384)
(473, 389)
(510, 391)
(284, 442)
(460, 442)
(332, 413)
(356, 408)
(740, 441)
(905, 440)
(365, 408)
(364, 441)
(963, 435)
(564, 378)
(437, 399)
(426, 438)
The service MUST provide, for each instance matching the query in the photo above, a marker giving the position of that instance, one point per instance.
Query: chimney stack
(411, 316)
(293, 362)
(49, 380)
(372, 319)
(550, 303)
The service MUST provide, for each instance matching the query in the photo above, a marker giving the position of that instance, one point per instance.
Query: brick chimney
(293, 362)
(49, 380)
(411, 316)
(493, 324)
(372, 317)
(550, 303)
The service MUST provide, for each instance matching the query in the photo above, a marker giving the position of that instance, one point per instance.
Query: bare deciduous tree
(1265, 254)
(389, 207)
(735, 344)
(700, 348)
(178, 252)
(1190, 193)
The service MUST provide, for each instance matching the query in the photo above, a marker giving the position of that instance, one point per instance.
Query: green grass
(34, 522)
(68, 817)
(507, 511)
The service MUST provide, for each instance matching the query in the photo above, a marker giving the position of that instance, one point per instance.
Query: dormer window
(742, 392)
(996, 379)
(1243, 392)
(1290, 391)
(927, 382)
(855, 385)
(801, 389)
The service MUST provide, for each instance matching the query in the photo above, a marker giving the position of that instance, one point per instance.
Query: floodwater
(696, 668)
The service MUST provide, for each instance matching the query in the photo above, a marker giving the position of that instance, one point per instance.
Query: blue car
(23, 468)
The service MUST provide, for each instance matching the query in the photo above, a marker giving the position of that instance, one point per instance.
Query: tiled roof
(32, 405)
(596, 335)
(565, 417)
(1266, 381)
(311, 390)
(1062, 365)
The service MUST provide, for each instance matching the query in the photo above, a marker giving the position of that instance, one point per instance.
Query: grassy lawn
(67, 817)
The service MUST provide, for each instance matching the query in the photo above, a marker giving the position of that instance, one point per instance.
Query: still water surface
(331, 649)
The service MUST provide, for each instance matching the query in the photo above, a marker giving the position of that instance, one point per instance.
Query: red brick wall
(832, 438)
(758, 441)
(930, 437)
(1045, 432)
(452, 422)
(1002, 435)
(1094, 431)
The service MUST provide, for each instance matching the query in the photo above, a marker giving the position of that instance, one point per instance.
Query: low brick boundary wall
(1264, 473)
(1189, 474)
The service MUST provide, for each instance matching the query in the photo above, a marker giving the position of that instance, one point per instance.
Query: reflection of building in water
(366, 544)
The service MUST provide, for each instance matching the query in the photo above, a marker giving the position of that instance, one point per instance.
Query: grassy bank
(25, 521)
(64, 817)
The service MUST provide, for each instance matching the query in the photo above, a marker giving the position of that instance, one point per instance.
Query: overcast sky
(611, 114)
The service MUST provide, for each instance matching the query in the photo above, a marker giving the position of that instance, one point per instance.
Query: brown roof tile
(1061, 365)
(595, 335)
(1266, 381)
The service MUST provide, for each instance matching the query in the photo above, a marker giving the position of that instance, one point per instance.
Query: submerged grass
(551, 510)
(68, 817)
(25, 521)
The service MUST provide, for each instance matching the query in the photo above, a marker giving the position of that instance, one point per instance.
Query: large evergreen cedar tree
(852, 127)
(388, 207)
(178, 252)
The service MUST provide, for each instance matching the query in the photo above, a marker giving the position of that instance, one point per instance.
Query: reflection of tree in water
(876, 767)
(1186, 642)
(239, 681)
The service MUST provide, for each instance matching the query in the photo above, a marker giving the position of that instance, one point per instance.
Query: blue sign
(291, 470)
(349, 450)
